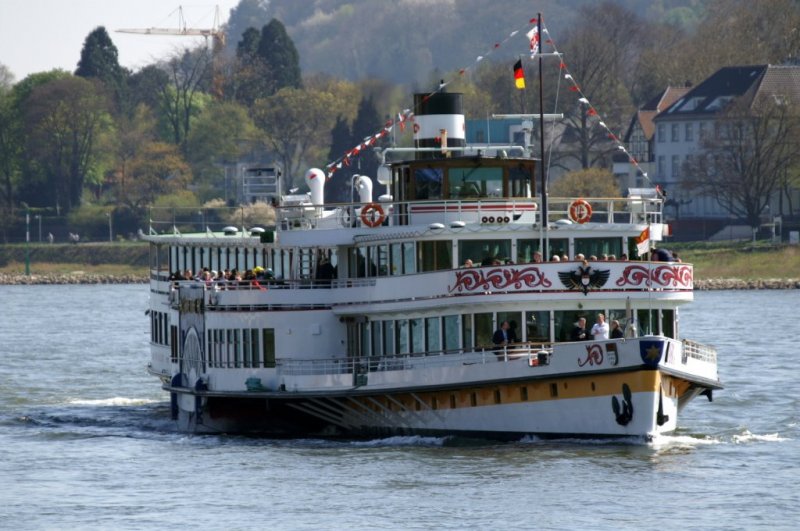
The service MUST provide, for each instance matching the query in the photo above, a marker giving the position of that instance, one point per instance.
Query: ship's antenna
(546, 243)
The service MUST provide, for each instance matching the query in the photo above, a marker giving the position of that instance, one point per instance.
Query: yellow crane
(216, 34)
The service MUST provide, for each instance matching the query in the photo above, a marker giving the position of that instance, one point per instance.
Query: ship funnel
(315, 179)
(364, 185)
(438, 123)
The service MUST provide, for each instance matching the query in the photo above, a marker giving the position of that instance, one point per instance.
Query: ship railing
(458, 211)
(533, 353)
(699, 351)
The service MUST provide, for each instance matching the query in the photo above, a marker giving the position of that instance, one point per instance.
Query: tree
(598, 52)
(135, 133)
(749, 157)
(588, 182)
(248, 14)
(182, 98)
(158, 169)
(280, 56)
(221, 135)
(366, 124)
(251, 78)
(297, 124)
(10, 156)
(6, 78)
(63, 120)
(99, 59)
(337, 188)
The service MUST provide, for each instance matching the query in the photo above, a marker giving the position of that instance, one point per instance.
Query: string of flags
(535, 44)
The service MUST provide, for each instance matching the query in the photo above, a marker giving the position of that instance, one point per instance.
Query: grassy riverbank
(711, 261)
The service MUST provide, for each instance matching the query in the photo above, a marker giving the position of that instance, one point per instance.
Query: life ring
(580, 211)
(372, 220)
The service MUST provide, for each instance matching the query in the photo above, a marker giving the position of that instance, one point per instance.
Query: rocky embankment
(75, 277)
(79, 277)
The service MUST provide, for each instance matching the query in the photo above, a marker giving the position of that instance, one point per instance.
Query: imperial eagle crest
(584, 278)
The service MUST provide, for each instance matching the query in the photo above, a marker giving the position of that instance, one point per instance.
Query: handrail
(699, 351)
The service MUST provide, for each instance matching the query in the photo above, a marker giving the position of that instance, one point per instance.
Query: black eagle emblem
(583, 278)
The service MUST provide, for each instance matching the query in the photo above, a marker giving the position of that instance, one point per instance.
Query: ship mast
(545, 242)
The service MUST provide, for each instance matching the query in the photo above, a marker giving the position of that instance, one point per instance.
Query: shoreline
(78, 277)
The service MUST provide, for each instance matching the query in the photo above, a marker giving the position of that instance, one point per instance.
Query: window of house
(689, 132)
(675, 132)
(662, 166)
(662, 133)
(676, 166)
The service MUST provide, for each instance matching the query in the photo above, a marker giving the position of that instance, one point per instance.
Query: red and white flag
(643, 242)
(533, 37)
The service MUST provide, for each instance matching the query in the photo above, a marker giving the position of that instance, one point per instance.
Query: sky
(40, 35)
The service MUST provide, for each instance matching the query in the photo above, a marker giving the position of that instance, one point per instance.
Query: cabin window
(434, 255)
(417, 335)
(475, 182)
(466, 332)
(382, 259)
(484, 252)
(537, 326)
(432, 335)
(451, 332)
(647, 321)
(484, 329)
(268, 347)
(428, 183)
(514, 319)
(564, 322)
(388, 338)
(409, 263)
(526, 248)
(598, 247)
(520, 181)
(401, 339)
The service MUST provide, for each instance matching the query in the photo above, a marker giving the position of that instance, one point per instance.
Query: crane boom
(171, 31)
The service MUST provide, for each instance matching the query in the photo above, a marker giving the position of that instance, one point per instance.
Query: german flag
(519, 75)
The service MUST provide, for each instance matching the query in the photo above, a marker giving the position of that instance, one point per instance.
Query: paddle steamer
(369, 324)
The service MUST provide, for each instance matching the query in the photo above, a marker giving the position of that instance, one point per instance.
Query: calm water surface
(86, 442)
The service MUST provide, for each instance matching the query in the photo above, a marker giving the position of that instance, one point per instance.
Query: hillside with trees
(303, 82)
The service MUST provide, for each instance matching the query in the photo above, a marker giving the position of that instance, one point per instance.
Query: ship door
(356, 349)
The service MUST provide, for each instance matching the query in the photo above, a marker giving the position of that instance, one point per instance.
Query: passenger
(537, 257)
(503, 337)
(662, 255)
(497, 262)
(467, 263)
(604, 257)
(616, 331)
(600, 328)
(624, 257)
(612, 258)
(555, 258)
(326, 271)
(579, 331)
(675, 256)
(509, 261)
(564, 257)
(487, 261)
(593, 258)
(579, 257)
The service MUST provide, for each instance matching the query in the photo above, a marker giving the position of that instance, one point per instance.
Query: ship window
(452, 401)
(237, 347)
(466, 335)
(483, 252)
(526, 248)
(598, 247)
(432, 335)
(475, 182)
(434, 255)
(396, 256)
(434, 403)
(401, 339)
(376, 327)
(497, 396)
(514, 319)
(565, 321)
(417, 335)
(428, 183)
(173, 335)
(537, 326)
(523, 394)
(268, 346)
(246, 350)
(382, 259)
(484, 329)
(451, 334)
(473, 399)
(388, 338)
(409, 262)
(520, 181)
(553, 389)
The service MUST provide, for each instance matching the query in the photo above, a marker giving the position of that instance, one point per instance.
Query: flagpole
(545, 215)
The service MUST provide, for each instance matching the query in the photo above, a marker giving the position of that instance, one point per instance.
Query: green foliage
(247, 15)
(99, 59)
(177, 199)
(90, 221)
(590, 182)
(280, 57)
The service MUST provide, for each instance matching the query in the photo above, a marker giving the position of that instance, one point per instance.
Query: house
(682, 125)
(639, 139)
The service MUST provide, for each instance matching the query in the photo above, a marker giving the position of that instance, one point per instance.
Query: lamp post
(110, 232)
(27, 243)
(39, 219)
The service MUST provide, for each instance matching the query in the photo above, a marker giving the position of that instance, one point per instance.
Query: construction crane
(216, 34)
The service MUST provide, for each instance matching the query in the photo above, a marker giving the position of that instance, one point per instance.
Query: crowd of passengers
(226, 279)
(658, 255)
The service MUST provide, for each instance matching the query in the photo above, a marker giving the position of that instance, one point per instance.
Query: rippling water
(86, 442)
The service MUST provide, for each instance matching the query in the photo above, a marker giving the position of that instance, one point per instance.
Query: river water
(86, 442)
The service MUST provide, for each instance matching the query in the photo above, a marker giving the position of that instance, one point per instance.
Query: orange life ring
(372, 220)
(580, 211)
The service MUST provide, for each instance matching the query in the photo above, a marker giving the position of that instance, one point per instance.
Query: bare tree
(748, 158)
(189, 73)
